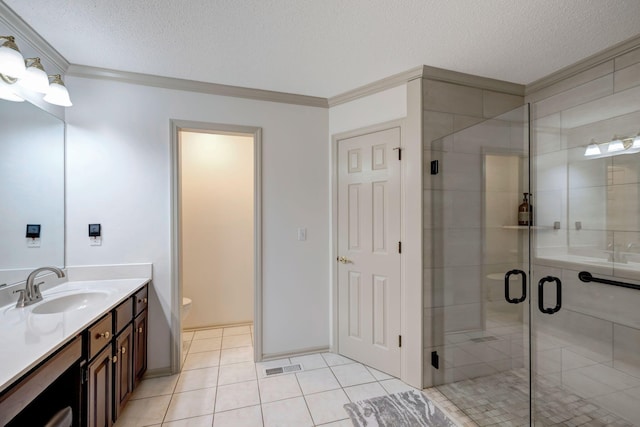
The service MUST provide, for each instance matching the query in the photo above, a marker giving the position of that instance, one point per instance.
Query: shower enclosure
(518, 338)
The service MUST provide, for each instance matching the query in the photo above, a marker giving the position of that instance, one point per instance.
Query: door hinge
(399, 340)
(399, 247)
(434, 167)
(84, 376)
(399, 152)
(435, 360)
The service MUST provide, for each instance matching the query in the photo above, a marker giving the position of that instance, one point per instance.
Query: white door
(369, 249)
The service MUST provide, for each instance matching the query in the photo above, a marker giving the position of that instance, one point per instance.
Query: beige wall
(217, 228)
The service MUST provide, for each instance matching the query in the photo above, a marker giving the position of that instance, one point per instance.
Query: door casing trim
(176, 287)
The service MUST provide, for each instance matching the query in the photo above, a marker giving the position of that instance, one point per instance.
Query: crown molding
(430, 73)
(23, 31)
(195, 86)
(583, 65)
(478, 82)
(377, 86)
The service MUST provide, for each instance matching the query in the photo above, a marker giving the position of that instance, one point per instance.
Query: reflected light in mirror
(615, 145)
(592, 149)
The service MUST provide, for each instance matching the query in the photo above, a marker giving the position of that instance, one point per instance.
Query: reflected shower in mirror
(31, 190)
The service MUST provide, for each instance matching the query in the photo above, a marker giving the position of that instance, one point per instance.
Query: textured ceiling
(326, 47)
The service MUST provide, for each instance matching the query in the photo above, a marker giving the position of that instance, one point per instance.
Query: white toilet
(186, 306)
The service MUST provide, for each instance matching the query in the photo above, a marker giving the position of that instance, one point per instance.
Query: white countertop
(27, 338)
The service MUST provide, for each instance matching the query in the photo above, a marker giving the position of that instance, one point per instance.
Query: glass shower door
(480, 233)
(586, 354)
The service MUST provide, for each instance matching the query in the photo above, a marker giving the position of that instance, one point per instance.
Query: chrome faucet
(31, 292)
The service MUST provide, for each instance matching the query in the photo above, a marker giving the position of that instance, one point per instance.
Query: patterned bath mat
(405, 409)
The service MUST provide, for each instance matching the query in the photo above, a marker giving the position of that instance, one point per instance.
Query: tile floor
(221, 386)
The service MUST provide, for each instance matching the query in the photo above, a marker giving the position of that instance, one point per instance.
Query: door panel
(369, 258)
(479, 317)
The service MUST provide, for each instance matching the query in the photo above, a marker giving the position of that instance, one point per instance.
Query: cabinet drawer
(99, 335)
(140, 300)
(123, 315)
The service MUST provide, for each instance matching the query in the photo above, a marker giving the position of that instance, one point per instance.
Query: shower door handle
(523, 295)
(541, 295)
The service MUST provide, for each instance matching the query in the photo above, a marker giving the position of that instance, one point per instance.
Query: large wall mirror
(31, 190)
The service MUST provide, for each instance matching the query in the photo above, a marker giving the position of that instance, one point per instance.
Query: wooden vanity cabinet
(140, 328)
(99, 398)
(123, 379)
(112, 375)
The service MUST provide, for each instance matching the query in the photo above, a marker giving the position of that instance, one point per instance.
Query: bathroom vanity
(80, 352)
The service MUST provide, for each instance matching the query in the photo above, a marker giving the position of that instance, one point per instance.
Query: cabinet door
(123, 367)
(140, 346)
(99, 395)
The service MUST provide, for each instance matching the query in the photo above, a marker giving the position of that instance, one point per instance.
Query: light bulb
(615, 145)
(11, 60)
(7, 92)
(34, 78)
(58, 93)
(593, 149)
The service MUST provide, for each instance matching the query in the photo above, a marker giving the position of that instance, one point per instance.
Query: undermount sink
(71, 302)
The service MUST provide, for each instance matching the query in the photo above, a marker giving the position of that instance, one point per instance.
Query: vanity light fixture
(593, 149)
(34, 78)
(19, 76)
(11, 60)
(6, 91)
(617, 145)
(58, 93)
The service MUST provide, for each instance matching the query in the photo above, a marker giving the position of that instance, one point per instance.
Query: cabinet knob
(123, 350)
(140, 330)
(144, 300)
(114, 359)
(104, 335)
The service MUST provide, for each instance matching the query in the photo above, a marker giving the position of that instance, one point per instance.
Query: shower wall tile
(627, 77)
(501, 246)
(501, 208)
(462, 122)
(550, 206)
(571, 82)
(626, 349)
(460, 171)
(615, 105)
(452, 98)
(550, 171)
(589, 206)
(547, 134)
(603, 130)
(585, 335)
(464, 247)
(604, 302)
(623, 61)
(626, 168)
(496, 103)
(462, 209)
(589, 91)
(492, 134)
(463, 318)
(589, 172)
(435, 126)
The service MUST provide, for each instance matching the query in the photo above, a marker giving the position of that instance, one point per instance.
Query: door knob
(344, 259)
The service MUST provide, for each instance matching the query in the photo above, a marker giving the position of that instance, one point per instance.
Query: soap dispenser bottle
(525, 211)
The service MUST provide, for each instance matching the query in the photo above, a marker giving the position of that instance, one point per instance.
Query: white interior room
(330, 189)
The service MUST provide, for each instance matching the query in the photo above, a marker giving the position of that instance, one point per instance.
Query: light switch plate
(33, 243)
(302, 234)
(95, 241)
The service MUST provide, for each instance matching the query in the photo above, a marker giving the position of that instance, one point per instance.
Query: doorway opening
(216, 235)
